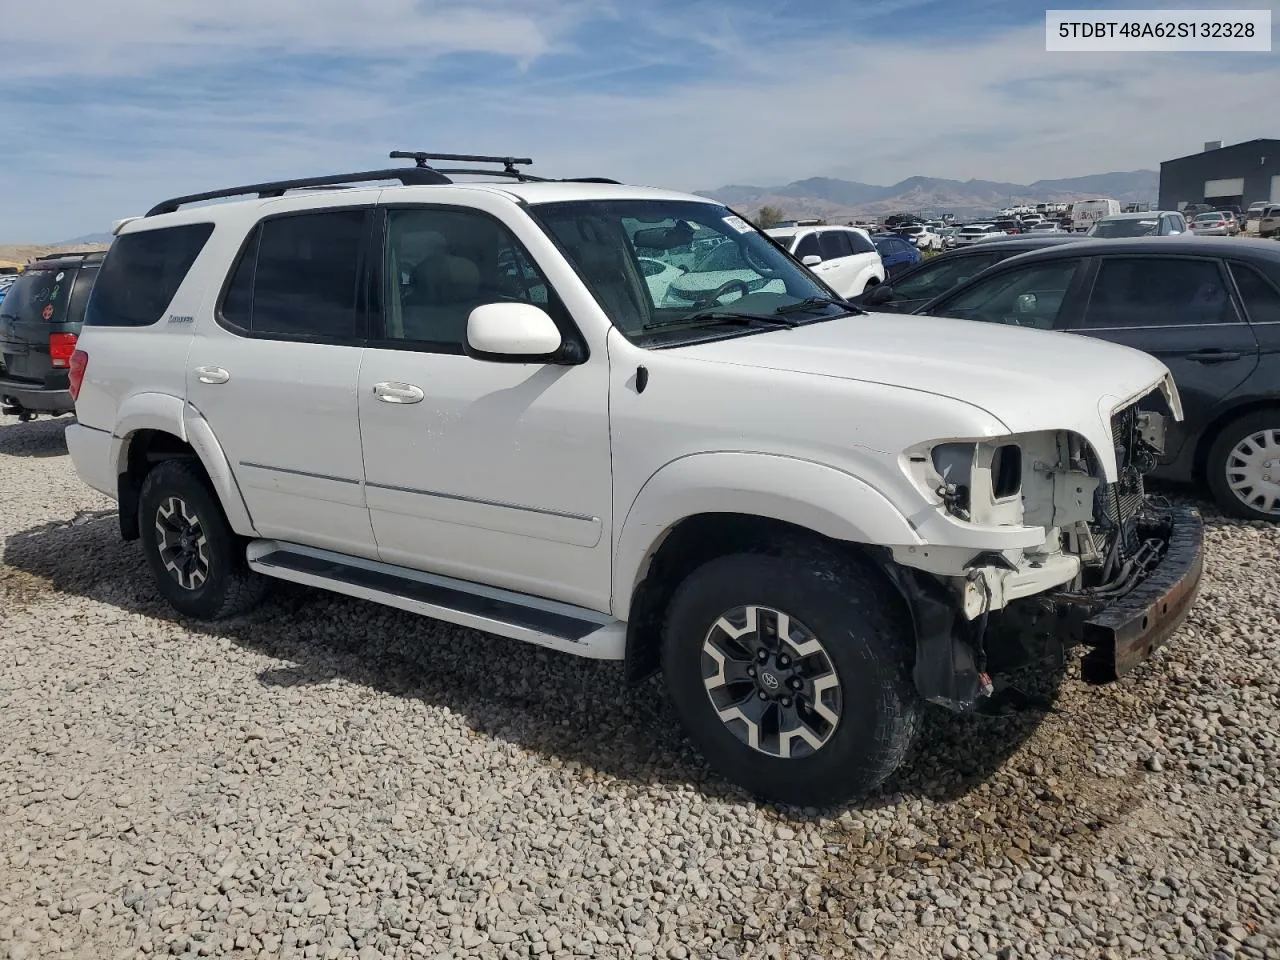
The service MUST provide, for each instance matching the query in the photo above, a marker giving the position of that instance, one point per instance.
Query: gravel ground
(328, 778)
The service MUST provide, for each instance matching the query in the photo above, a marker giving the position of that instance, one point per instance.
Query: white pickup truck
(458, 396)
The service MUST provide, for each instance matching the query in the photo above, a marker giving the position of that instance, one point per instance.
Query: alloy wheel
(771, 681)
(182, 543)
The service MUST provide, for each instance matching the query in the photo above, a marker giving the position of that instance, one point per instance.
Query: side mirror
(512, 333)
(812, 260)
(879, 294)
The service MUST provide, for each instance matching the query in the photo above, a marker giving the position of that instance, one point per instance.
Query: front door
(480, 470)
(275, 376)
(1180, 310)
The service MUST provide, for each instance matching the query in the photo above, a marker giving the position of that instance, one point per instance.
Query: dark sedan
(917, 285)
(1209, 308)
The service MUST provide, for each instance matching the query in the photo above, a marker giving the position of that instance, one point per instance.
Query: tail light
(61, 347)
(79, 364)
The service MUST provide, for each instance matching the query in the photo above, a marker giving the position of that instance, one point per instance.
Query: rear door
(1181, 310)
(838, 268)
(276, 376)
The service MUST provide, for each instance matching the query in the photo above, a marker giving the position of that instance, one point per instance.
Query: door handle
(212, 375)
(398, 392)
(1213, 356)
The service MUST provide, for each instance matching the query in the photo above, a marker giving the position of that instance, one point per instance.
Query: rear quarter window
(141, 274)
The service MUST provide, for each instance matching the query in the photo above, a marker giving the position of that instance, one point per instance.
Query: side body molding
(807, 494)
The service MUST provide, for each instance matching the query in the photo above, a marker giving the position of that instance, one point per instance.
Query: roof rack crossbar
(509, 164)
(409, 176)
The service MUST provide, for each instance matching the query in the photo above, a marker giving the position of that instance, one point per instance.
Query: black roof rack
(420, 174)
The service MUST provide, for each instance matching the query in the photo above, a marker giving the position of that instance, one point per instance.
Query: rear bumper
(1128, 630)
(35, 397)
(90, 451)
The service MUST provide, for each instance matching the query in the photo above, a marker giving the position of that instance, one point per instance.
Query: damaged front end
(1117, 571)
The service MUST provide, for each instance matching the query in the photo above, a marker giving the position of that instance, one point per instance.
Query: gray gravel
(328, 778)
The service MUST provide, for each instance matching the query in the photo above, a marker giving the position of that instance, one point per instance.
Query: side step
(548, 623)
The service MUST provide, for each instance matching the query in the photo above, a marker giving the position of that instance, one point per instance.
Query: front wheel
(1243, 466)
(197, 559)
(791, 674)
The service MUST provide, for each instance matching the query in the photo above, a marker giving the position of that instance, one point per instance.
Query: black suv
(40, 319)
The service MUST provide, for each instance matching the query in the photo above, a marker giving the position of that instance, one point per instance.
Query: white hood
(1027, 379)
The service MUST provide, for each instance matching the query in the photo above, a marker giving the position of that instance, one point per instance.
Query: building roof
(1230, 146)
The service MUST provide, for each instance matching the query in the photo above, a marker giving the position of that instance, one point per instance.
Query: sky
(107, 106)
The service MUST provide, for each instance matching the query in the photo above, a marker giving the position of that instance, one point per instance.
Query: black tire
(1220, 462)
(219, 583)
(865, 631)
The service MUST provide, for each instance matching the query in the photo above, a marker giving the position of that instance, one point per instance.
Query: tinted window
(1157, 292)
(80, 292)
(808, 246)
(1261, 300)
(937, 278)
(834, 243)
(859, 243)
(141, 274)
(1030, 295)
(442, 264)
(299, 276)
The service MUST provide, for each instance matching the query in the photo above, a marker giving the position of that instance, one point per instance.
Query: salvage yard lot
(331, 778)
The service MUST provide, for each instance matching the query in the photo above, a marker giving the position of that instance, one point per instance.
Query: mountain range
(833, 199)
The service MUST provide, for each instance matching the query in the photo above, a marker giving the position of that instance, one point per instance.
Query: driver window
(1027, 296)
(441, 264)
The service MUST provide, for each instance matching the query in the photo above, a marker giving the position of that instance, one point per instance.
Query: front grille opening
(1006, 472)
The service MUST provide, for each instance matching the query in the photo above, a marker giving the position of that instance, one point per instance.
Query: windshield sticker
(737, 223)
(53, 294)
(58, 278)
(47, 312)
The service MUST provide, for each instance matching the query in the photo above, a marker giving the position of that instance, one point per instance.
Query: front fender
(801, 492)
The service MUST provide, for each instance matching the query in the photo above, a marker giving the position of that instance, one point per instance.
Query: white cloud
(761, 103)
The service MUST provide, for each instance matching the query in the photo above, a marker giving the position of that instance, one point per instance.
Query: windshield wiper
(721, 316)
(808, 303)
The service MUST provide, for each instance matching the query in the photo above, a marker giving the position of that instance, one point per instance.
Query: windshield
(38, 295)
(1206, 217)
(1124, 228)
(711, 260)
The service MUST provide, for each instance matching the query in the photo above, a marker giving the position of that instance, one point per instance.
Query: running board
(547, 623)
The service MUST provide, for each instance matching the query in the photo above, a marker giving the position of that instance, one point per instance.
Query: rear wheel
(791, 674)
(1243, 466)
(197, 559)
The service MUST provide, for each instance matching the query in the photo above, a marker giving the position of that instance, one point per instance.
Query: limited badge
(47, 312)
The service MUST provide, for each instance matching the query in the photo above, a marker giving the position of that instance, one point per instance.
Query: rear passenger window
(141, 274)
(1158, 292)
(298, 277)
(80, 292)
(1261, 301)
(835, 244)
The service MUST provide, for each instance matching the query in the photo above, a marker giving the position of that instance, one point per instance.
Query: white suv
(844, 258)
(460, 398)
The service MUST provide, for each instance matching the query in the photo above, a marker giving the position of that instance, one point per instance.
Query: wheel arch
(709, 505)
(1204, 443)
(155, 427)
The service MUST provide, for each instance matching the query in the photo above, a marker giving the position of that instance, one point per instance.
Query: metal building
(1238, 175)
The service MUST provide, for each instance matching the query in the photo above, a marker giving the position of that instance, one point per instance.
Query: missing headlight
(1006, 471)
